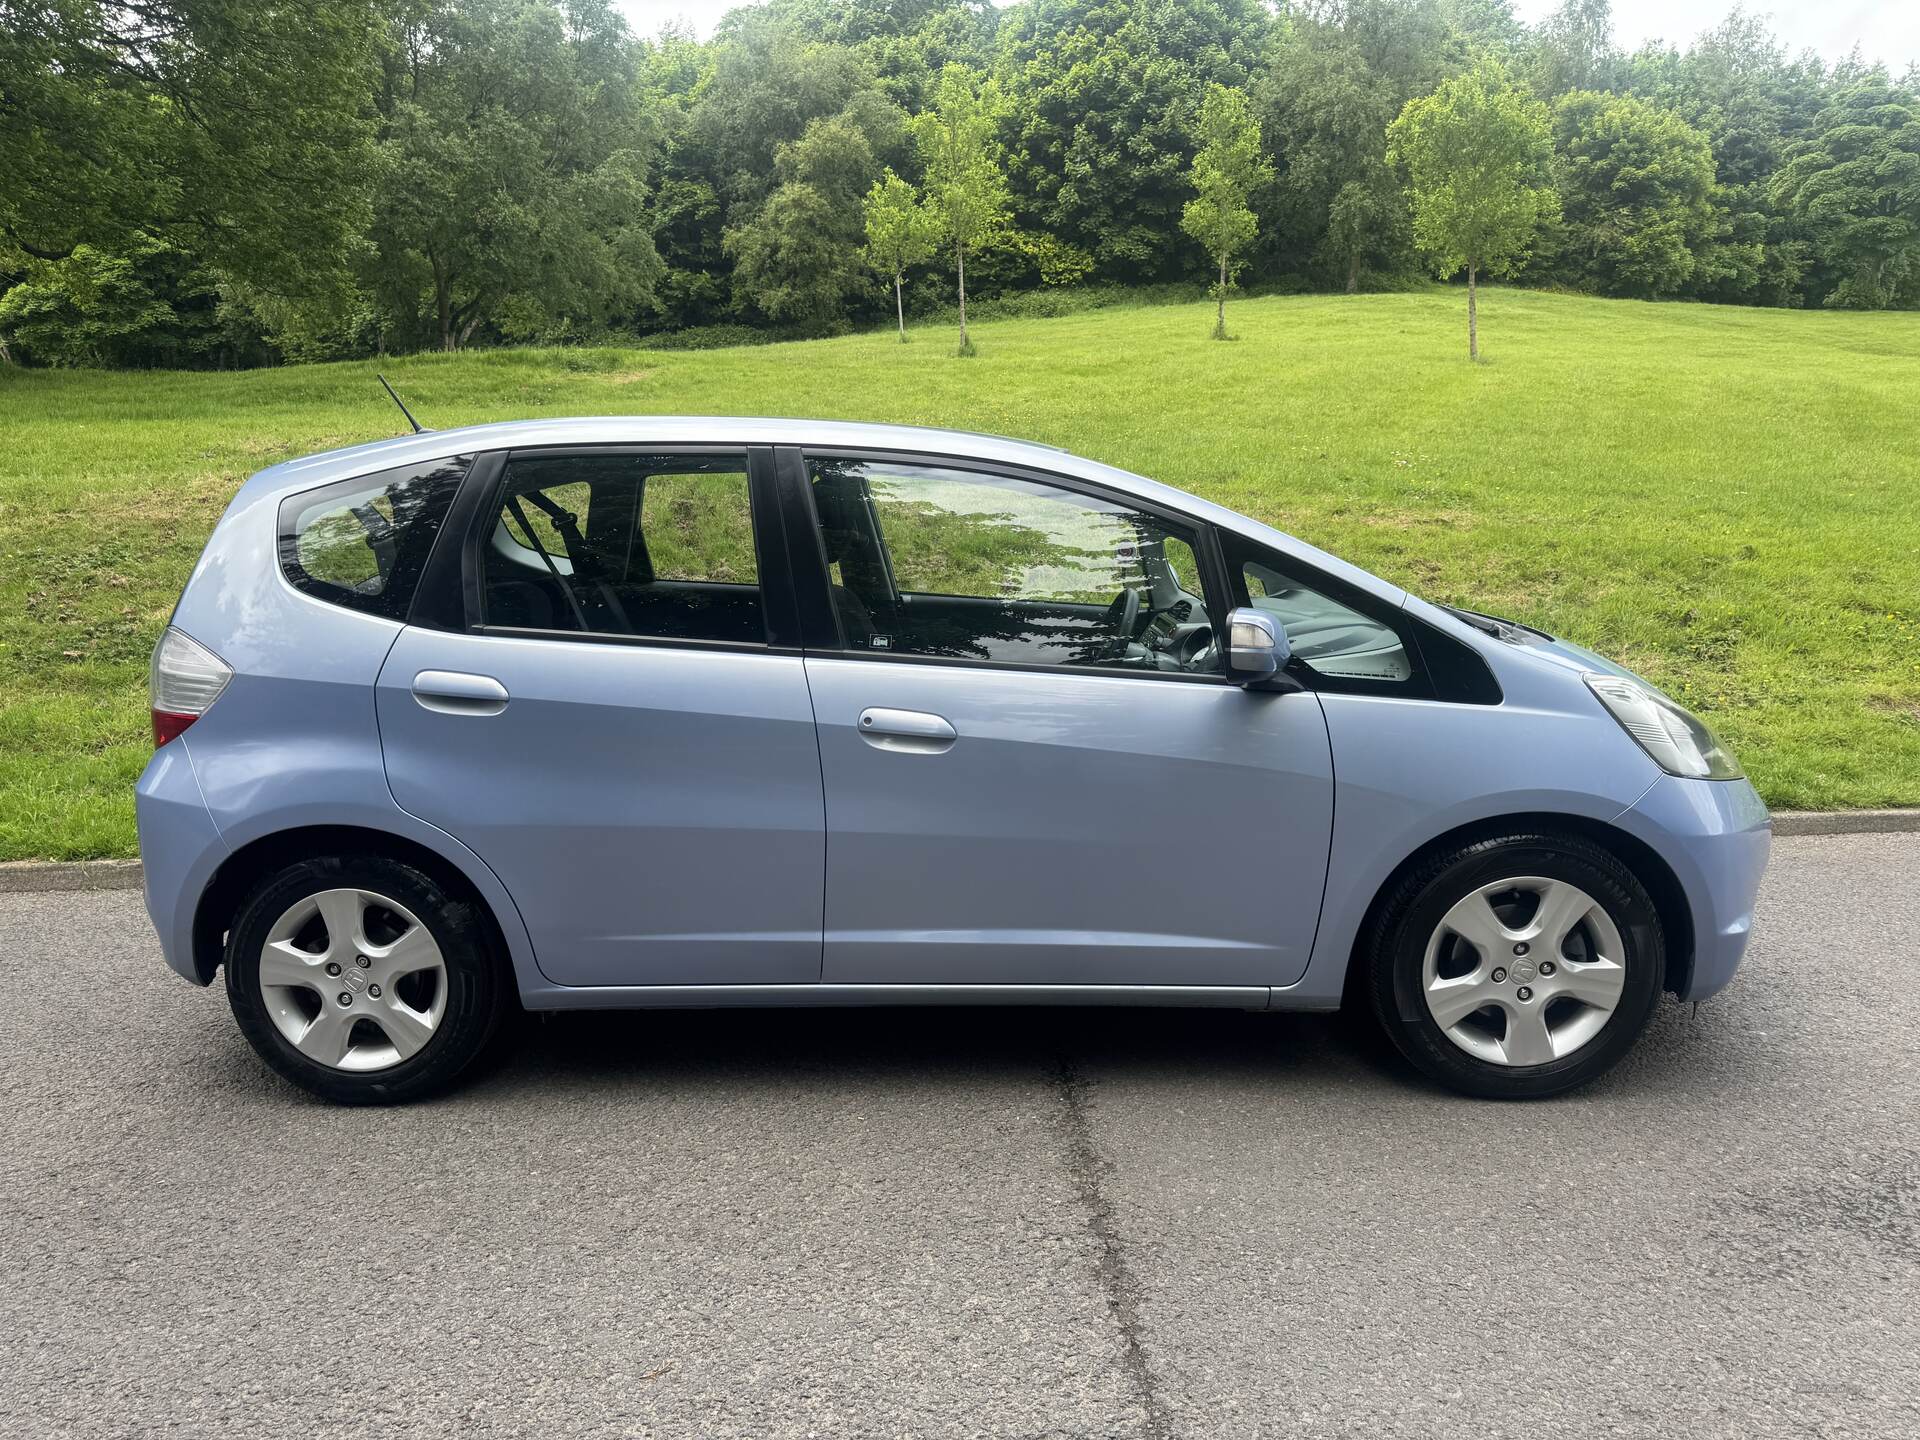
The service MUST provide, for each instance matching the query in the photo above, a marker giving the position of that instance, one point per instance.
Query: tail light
(186, 678)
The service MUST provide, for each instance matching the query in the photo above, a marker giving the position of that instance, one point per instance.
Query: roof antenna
(418, 428)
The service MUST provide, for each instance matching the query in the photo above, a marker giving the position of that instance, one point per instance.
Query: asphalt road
(1041, 1223)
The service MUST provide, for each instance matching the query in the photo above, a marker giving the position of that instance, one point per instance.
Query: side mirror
(1257, 646)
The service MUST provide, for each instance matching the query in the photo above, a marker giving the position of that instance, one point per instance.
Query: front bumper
(180, 848)
(1714, 835)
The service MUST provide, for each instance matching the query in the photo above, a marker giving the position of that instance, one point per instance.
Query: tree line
(220, 182)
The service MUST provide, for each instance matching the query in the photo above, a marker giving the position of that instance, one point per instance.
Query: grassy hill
(1726, 499)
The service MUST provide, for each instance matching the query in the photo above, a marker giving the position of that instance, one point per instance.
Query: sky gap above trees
(226, 182)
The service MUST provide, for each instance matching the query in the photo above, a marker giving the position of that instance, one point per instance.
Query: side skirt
(652, 997)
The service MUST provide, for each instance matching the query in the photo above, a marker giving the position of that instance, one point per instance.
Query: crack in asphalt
(1118, 1283)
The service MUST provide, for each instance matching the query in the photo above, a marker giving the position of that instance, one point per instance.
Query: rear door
(614, 717)
(1036, 773)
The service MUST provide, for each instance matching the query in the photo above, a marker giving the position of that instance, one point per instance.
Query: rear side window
(656, 546)
(362, 543)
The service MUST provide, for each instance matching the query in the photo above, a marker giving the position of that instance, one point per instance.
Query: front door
(614, 736)
(1035, 772)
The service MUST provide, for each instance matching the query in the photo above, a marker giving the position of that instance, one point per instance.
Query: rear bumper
(180, 848)
(1714, 835)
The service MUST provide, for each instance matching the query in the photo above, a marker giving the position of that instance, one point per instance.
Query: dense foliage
(229, 182)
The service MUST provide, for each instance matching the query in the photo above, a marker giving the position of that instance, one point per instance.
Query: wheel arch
(1663, 886)
(246, 866)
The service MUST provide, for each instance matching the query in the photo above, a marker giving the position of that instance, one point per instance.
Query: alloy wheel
(1524, 971)
(353, 980)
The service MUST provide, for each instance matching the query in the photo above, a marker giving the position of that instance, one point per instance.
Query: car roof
(292, 476)
(664, 430)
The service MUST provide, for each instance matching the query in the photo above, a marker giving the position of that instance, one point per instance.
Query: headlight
(1677, 741)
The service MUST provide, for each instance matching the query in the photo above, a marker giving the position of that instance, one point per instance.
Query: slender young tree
(900, 233)
(1226, 168)
(1476, 156)
(965, 188)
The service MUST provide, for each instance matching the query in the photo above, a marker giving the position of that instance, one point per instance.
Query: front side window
(1332, 639)
(362, 543)
(961, 564)
(657, 546)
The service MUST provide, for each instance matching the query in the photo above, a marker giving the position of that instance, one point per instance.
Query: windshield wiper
(1511, 631)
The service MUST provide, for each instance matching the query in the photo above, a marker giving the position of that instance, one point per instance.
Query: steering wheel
(1123, 618)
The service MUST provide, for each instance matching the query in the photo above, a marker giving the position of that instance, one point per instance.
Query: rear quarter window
(362, 543)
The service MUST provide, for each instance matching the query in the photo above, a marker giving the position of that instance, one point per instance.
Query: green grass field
(1727, 500)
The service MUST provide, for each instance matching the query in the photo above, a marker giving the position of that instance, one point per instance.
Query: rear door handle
(454, 692)
(912, 732)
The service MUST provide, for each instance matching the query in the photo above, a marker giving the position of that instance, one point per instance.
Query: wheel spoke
(329, 1036)
(1451, 1001)
(1473, 920)
(1527, 1041)
(284, 963)
(1561, 907)
(340, 912)
(1598, 983)
(406, 1027)
(413, 951)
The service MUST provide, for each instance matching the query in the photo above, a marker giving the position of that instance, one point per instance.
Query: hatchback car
(707, 712)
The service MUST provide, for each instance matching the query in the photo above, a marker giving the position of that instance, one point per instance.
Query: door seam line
(826, 833)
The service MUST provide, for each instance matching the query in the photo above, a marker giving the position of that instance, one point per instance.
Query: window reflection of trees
(986, 568)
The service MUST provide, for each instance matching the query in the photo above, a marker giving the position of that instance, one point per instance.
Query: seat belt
(585, 562)
(579, 615)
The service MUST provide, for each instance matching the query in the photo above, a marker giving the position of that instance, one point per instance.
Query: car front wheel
(364, 980)
(1517, 967)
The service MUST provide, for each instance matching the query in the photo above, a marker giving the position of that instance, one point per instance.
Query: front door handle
(454, 692)
(912, 732)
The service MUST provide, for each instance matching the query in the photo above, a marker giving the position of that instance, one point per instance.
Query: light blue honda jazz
(705, 712)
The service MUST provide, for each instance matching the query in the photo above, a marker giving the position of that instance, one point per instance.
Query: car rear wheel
(365, 980)
(1517, 967)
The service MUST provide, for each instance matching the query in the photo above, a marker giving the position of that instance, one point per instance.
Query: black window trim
(477, 503)
(824, 638)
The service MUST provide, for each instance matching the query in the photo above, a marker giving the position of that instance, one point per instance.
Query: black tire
(1396, 953)
(479, 995)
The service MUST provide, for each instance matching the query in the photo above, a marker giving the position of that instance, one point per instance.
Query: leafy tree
(1636, 194)
(1054, 261)
(689, 220)
(1366, 219)
(1225, 170)
(796, 261)
(201, 182)
(900, 235)
(511, 177)
(230, 131)
(1102, 97)
(1740, 89)
(1324, 104)
(1573, 48)
(766, 82)
(904, 43)
(1476, 154)
(689, 236)
(966, 190)
(1855, 185)
(729, 106)
(1483, 26)
(146, 305)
